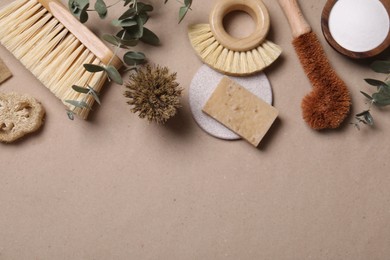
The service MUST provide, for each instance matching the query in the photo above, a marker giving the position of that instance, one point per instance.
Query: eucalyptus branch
(381, 98)
(132, 30)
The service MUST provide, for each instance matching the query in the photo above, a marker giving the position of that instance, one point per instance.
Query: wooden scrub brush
(329, 103)
(54, 45)
(229, 55)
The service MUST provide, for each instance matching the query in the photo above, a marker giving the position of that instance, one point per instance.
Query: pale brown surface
(116, 187)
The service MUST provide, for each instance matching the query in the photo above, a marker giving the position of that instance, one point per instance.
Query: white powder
(359, 25)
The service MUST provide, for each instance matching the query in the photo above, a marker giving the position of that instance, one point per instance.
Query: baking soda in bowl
(359, 25)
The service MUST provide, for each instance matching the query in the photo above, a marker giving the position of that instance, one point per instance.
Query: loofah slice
(19, 115)
(229, 62)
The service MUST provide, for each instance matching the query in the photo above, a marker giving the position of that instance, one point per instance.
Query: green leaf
(111, 39)
(142, 7)
(132, 58)
(101, 8)
(93, 68)
(140, 23)
(127, 2)
(366, 95)
(114, 74)
(381, 100)
(124, 23)
(93, 93)
(70, 114)
(188, 3)
(182, 12)
(149, 37)
(78, 104)
(374, 82)
(144, 17)
(130, 13)
(381, 66)
(368, 118)
(80, 89)
(83, 16)
(77, 6)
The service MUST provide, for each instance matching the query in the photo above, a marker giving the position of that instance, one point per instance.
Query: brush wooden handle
(297, 21)
(255, 8)
(81, 32)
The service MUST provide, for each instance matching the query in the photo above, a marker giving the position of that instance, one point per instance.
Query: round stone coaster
(203, 85)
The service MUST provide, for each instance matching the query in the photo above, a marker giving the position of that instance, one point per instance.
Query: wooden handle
(255, 8)
(297, 21)
(81, 32)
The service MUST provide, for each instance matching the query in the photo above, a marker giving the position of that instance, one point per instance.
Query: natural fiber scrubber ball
(153, 93)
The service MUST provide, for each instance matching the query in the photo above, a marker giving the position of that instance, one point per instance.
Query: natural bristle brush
(229, 55)
(329, 103)
(54, 45)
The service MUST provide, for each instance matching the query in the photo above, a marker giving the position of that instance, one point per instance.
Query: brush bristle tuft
(46, 48)
(227, 61)
(329, 103)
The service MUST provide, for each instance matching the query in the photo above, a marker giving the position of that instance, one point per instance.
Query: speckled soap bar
(5, 73)
(241, 111)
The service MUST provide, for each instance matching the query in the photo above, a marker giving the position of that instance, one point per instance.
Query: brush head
(54, 46)
(329, 103)
(229, 62)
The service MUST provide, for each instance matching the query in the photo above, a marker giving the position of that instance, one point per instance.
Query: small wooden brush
(54, 45)
(229, 55)
(329, 103)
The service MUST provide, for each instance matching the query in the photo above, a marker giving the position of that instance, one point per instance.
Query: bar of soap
(5, 73)
(240, 111)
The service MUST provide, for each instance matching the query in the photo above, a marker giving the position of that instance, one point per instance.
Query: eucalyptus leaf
(376, 83)
(114, 74)
(381, 100)
(188, 3)
(381, 66)
(142, 7)
(80, 89)
(182, 12)
(95, 95)
(101, 8)
(368, 118)
(127, 2)
(362, 113)
(124, 23)
(70, 114)
(130, 13)
(366, 95)
(150, 37)
(93, 68)
(132, 58)
(84, 16)
(78, 104)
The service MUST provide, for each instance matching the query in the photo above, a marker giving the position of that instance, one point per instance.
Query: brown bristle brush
(329, 103)
(54, 45)
(229, 55)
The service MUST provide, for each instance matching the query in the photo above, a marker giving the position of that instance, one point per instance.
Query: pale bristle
(227, 61)
(46, 48)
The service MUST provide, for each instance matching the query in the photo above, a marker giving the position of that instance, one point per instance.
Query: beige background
(116, 187)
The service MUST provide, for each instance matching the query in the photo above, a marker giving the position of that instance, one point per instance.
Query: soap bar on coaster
(241, 111)
(5, 73)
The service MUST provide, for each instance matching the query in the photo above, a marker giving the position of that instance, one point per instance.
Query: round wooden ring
(352, 54)
(255, 8)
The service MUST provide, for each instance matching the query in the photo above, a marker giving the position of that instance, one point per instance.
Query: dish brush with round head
(229, 55)
(329, 103)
